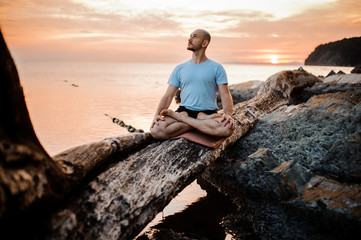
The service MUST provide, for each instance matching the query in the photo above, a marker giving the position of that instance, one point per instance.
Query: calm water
(68, 101)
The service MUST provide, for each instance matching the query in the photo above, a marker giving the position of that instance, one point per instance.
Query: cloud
(296, 35)
(104, 30)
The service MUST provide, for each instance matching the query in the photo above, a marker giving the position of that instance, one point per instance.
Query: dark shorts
(194, 114)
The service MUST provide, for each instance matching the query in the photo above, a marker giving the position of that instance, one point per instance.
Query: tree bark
(29, 178)
(27, 173)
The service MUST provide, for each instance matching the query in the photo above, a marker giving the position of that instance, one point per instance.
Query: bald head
(199, 39)
(205, 34)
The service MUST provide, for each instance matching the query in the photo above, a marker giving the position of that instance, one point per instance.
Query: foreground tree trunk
(109, 189)
(27, 173)
(30, 181)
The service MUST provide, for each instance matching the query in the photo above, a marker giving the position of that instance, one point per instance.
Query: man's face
(195, 41)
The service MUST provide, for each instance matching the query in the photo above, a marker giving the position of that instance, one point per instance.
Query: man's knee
(224, 131)
(158, 133)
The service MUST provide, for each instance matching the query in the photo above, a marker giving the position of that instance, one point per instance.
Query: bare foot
(167, 112)
(171, 113)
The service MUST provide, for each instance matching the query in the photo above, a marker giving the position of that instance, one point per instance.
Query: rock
(323, 88)
(331, 73)
(343, 160)
(263, 171)
(335, 198)
(121, 123)
(316, 187)
(343, 78)
(340, 73)
(356, 70)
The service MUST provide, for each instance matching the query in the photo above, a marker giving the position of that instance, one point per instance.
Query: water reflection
(200, 220)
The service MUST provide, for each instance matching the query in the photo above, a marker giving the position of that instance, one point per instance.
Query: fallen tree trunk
(118, 203)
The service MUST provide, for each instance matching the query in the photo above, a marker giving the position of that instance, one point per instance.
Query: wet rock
(331, 196)
(343, 160)
(343, 78)
(315, 189)
(331, 73)
(121, 123)
(356, 70)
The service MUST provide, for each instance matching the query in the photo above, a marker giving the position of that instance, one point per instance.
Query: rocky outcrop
(345, 52)
(345, 79)
(296, 174)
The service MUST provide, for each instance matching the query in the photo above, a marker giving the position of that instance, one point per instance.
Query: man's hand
(227, 119)
(156, 120)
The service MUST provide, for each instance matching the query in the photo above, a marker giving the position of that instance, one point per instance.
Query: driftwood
(126, 180)
(119, 202)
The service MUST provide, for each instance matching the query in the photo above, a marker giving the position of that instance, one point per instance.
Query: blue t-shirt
(198, 84)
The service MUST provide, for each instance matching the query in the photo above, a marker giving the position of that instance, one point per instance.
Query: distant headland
(345, 52)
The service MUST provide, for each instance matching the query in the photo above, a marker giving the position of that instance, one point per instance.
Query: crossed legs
(175, 123)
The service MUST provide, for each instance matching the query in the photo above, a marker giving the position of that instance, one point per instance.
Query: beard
(194, 48)
(191, 48)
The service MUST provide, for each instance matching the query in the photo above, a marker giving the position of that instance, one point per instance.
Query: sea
(72, 103)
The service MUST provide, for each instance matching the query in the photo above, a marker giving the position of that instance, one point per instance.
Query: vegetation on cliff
(345, 52)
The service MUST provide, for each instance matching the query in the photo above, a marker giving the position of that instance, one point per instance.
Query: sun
(274, 59)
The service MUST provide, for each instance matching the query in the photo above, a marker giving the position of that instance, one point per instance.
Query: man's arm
(227, 104)
(164, 103)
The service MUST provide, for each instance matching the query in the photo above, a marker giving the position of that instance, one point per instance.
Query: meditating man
(199, 78)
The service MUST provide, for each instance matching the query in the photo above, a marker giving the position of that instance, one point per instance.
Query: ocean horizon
(68, 101)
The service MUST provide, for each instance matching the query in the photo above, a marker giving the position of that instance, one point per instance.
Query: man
(199, 78)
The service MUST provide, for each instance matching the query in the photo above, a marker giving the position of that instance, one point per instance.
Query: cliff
(346, 52)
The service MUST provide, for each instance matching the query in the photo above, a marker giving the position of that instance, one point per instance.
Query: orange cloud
(70, 30)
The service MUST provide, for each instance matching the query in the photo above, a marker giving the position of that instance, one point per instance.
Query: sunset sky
(277, 31)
